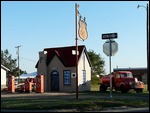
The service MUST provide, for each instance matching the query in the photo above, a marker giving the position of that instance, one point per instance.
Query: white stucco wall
(84, 65)
(3, 77)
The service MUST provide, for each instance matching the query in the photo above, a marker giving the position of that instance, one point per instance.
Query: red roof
(64, 54)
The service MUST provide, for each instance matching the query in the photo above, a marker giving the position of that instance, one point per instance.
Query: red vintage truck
(121, 80)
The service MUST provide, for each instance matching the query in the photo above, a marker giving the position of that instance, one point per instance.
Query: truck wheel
(103, 88)
(123, 90)
(139, 90)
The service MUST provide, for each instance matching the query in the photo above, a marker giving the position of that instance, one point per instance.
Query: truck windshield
(126, 75)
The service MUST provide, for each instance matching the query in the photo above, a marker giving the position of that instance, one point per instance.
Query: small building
(140, 73)
(59, 67)
(4, 72)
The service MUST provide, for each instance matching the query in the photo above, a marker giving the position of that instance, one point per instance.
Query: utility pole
(18, 64)
(147, 35)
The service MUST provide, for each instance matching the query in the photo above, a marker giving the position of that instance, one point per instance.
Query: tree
(7, 61)
(16, 73)
(97, 63)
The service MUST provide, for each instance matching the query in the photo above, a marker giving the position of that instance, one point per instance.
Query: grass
(81, 104)
(95, 87)
(87, 101)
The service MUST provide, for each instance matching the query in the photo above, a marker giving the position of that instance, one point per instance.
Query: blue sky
(46, 24)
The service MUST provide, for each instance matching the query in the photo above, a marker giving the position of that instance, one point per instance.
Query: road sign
(109, 36)
(110, 49)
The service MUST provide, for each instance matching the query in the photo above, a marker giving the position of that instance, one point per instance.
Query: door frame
(54, 80)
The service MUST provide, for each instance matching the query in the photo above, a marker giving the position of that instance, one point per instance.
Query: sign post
(83, 34)
(110, 47)
(110, 68)
(76, 14)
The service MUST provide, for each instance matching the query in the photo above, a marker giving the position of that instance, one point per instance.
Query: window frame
(67, 78)
(83, 77)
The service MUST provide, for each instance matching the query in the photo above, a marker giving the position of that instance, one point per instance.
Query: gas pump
(40, 83)
(28, 86)
(11, 84)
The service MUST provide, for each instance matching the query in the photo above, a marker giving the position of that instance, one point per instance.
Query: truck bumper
(138, 86)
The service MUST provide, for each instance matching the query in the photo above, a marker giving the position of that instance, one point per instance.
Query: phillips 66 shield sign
(83, 29)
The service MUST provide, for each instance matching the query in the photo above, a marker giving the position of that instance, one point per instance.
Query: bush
(95, 80)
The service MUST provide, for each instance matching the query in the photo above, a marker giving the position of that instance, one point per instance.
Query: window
(117, 76)
(67, 77)
(123, 74)
(83, 77)
(126, 75)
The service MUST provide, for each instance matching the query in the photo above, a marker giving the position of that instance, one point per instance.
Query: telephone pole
(147, 35)
(18, 64)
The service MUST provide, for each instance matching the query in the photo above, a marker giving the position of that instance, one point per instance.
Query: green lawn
(96, 88)
(81, 104)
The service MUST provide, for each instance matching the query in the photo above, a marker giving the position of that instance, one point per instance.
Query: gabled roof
(65, 55)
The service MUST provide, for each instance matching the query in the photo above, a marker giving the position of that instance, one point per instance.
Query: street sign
(109, 36)
(110, 49)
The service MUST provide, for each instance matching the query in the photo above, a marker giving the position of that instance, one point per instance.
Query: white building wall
(3, 77)
(84, 65)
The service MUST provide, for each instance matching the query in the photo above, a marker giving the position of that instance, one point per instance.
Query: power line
(28, 59)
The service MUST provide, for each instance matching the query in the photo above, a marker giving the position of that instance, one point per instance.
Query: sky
(35, 25)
